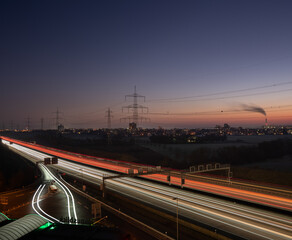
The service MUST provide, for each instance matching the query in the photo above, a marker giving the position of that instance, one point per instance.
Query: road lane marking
(199, 209)
(63, 186)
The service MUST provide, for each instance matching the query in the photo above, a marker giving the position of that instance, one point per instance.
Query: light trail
(46, 173)
(202, 212)
(33, 202)
(159, 188)
(167, 191)
(259, 198)
(38, 194)
(122, 167)
(66, 190)
(224, 215)
(194, 210)
(38, 201)
(157, 195)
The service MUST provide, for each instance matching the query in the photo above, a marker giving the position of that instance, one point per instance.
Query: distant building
(61, 128)
(132, 126)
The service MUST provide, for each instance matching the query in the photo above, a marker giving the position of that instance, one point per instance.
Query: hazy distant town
(162, 135)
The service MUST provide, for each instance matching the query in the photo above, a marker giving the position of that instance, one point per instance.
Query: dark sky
(84, 56)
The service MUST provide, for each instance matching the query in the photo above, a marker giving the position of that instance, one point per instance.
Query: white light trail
(63, 186)
(38, 201)
(246, 219)
(33, 202)
(65, 189)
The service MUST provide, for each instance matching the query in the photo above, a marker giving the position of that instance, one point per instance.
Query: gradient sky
(197, 62)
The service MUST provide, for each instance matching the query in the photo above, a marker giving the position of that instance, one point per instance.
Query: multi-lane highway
(237, 219)
(123, 167)
(46, 203)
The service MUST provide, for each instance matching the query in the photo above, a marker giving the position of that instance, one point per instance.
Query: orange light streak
(264, 199)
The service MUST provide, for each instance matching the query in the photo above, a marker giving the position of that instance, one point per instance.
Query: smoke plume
(251, 108)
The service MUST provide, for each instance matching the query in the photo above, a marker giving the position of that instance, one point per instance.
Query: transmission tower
(109, 118)
(57, 118)
(135, 118)
(11, 125)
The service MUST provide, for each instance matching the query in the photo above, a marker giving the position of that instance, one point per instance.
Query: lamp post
(176, 217)
(81, 169)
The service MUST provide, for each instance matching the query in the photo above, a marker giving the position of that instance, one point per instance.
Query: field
(180, 152)
(275, 169)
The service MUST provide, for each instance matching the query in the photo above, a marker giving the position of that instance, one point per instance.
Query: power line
(96, 111)
(57, 118)
(236, 96)
(189, 98)
(87, 122)
(220, 112)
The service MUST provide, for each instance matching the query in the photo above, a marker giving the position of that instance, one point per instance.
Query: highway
(45, 203)
(123, 167)
(237, 219)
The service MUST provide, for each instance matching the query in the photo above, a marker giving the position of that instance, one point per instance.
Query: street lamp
(81, 169)
(176, 217)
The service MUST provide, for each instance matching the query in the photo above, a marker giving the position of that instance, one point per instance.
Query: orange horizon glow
(282, 118)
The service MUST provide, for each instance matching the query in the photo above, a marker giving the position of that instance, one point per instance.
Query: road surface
(227, 216)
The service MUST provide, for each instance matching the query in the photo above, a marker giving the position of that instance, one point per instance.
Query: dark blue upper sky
(84, 56)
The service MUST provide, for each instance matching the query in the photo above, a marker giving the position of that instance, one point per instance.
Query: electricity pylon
(135, 118)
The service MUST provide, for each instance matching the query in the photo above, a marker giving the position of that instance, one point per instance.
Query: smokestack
(266, 122)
